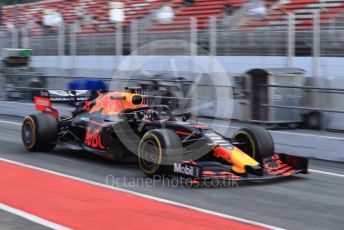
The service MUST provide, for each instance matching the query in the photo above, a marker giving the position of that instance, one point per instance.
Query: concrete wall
(329, 66)
(104, 67)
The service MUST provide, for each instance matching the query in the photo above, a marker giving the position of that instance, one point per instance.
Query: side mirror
(186, 116)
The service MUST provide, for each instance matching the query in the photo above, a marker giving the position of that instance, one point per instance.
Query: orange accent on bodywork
(223, 153)
(207, 172)
(236, 157)
(41, 103)
(111, 106)
(96, 123)
(225, 173)
(190, 162)
(44, 105)
(288, 173)
(87, 106)
(182, 133)
(280, 168)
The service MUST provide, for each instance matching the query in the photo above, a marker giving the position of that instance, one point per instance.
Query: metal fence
(234, 42)
(223, 40)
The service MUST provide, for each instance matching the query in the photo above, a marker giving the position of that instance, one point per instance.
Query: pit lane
(305, 201)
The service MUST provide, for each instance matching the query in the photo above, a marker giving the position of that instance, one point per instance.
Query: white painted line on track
(311, 170)
(326, 173)
(32, 218)
(145, 195)
(309, 135)
(10, 122)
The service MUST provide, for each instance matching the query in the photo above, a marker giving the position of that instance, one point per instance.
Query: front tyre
(39, 132)
(255, 141)
(158, 149)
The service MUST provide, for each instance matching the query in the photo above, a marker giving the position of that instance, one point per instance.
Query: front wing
(277, 166)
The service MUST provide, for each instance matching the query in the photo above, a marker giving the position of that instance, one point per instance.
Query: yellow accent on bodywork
(248, 136)
(240, 160)
(129, 99)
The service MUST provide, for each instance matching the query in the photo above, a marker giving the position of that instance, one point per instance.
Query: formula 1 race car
(118, 124)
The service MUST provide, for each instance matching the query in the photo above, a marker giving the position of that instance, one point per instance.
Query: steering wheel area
(151, 113)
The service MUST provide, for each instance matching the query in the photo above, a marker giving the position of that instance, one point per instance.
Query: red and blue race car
(116, 125)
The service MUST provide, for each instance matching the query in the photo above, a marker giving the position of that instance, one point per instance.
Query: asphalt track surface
(314, 201)
(10, 221)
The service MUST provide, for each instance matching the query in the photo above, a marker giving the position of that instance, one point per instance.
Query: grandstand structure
(303, 10)
(237, 32)
(98, 12)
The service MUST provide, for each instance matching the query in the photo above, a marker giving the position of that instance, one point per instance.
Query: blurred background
(284, 58)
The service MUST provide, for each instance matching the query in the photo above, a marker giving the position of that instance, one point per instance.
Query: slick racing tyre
(255, 141)
(158, 149)
(39, 132)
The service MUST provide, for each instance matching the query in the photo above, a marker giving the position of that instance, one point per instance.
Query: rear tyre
(256, 142)
(157, 150)
(39, 132)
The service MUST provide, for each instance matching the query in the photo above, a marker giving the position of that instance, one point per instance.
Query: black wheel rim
(149, 155)
(27, 132)
(245, 144)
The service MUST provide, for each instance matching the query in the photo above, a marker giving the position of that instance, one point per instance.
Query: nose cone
(254, 169)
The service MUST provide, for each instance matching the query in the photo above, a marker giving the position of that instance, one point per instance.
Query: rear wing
(69, 95)
(43, 103)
